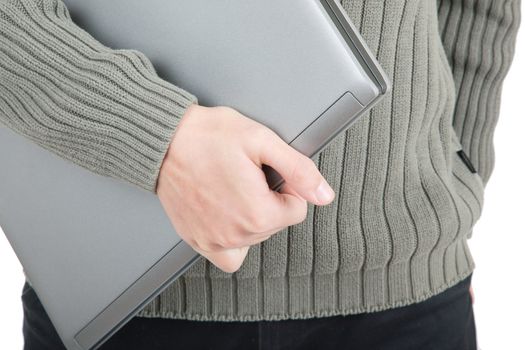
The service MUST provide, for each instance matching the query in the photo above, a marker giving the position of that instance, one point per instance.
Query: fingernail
(324, 192)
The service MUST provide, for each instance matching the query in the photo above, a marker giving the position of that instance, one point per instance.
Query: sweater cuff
(104, 109)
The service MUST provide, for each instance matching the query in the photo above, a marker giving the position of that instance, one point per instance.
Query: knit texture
(104, 109)
(406, 203)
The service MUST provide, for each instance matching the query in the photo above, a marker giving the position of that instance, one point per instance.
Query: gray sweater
(406, 199)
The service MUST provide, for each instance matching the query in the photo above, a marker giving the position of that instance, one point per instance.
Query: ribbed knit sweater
(406, 200)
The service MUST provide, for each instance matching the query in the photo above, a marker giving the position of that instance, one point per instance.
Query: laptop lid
(96, 249)
(298, 67)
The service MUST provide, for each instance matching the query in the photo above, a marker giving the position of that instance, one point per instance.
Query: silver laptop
(96, 249)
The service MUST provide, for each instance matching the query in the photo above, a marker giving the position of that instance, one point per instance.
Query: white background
(498, 243)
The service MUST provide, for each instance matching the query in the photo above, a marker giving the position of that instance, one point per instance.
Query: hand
(471, 291)
(213, 189)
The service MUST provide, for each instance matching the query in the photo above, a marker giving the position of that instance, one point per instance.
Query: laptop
(96, 249)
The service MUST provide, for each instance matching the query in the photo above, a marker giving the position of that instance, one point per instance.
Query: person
(365, 247)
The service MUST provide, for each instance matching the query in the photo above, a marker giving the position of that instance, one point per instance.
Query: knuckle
(303, 213)
(204, 245)
(231, 265)
(299, 214)
(258, 222)
(262, 134)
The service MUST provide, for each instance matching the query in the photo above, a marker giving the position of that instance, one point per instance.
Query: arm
(106, 110)
(479, 40)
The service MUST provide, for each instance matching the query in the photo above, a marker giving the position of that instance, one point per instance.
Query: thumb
(298, 171)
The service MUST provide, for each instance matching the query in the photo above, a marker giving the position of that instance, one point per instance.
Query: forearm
(479, 39)
(104, 109)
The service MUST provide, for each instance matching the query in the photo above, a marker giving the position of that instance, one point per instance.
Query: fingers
(261, 237)
(229, 260)
(278, 210)
(275, 212)
(299, 171)
(286, 188)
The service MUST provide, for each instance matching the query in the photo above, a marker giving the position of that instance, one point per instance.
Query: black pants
(442, 322)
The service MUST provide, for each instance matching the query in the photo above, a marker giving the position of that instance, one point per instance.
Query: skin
(214, 191)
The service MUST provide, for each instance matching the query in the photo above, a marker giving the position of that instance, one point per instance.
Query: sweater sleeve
(104, 109)
(479, 40)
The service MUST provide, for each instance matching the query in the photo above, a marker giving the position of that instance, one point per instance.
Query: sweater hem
(308, 315)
